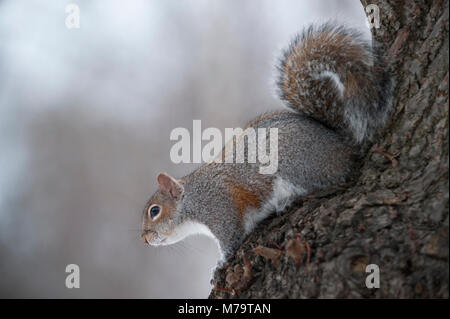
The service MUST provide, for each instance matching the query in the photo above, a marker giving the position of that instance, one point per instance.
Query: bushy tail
(331, 74)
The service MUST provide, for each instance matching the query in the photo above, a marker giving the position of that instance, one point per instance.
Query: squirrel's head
(161, 214)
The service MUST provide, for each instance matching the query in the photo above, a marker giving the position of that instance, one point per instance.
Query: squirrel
(339, 92)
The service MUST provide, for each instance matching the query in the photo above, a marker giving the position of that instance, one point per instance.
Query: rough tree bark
(394, 215)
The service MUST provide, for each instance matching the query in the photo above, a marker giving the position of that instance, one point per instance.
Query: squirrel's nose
(146, 237)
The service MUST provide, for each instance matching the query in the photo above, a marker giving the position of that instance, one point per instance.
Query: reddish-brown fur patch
(244, 198)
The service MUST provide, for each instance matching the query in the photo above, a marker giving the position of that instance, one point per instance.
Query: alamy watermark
(73, 277)
(260, 145)
(373, 280)
(373, 16)
(73, 18)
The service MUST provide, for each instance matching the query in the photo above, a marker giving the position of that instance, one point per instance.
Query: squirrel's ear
(170, 185)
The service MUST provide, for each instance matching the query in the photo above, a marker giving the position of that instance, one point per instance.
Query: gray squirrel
(339, 91)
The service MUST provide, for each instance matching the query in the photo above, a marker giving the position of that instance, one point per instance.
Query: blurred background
(85, 118)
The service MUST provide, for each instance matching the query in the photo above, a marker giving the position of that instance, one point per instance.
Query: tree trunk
(395, 215)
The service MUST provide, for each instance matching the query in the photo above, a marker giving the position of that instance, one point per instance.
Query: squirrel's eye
(154, 211)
